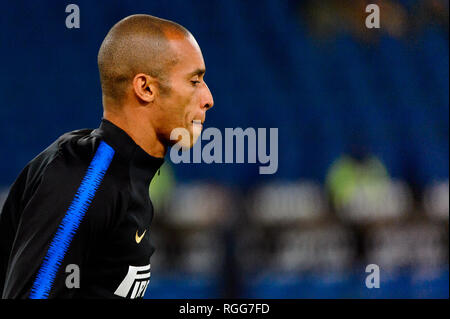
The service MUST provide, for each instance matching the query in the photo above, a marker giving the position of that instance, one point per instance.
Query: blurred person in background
(329, 18)
(352, 171)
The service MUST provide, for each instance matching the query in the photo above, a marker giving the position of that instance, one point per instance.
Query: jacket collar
(125, 147)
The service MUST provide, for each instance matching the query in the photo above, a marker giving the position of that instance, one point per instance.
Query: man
(82, 207)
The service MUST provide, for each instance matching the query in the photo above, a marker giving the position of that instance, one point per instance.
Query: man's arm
(56, 227)
(7, 225)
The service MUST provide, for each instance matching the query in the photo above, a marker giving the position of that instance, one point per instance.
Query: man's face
(188, 99)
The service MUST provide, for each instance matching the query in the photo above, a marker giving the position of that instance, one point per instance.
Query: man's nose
(208, 101)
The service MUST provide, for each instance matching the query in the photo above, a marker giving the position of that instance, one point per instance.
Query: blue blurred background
(363, 124)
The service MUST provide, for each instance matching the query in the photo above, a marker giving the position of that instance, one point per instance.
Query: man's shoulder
(82, 153)
(73, 148)
(75, 155)
(61, 166)
(77, 159)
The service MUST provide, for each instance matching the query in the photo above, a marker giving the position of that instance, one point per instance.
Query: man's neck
(142, 133)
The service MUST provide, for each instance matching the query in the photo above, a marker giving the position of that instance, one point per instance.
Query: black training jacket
(76, 221)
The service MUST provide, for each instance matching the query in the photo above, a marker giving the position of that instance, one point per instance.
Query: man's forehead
(197, 71)
(188, 54)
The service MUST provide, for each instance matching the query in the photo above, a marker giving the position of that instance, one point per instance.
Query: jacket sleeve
(57, 227)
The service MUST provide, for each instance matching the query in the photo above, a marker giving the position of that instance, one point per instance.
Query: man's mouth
(197, 128)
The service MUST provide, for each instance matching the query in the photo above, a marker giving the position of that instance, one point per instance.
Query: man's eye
(195, 82)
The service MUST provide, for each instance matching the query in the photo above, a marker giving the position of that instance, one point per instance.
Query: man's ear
(144, 87)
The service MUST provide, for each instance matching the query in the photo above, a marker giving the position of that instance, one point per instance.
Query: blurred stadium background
(363, 118)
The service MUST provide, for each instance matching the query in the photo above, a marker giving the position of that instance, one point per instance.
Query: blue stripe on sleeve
(71, 221)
